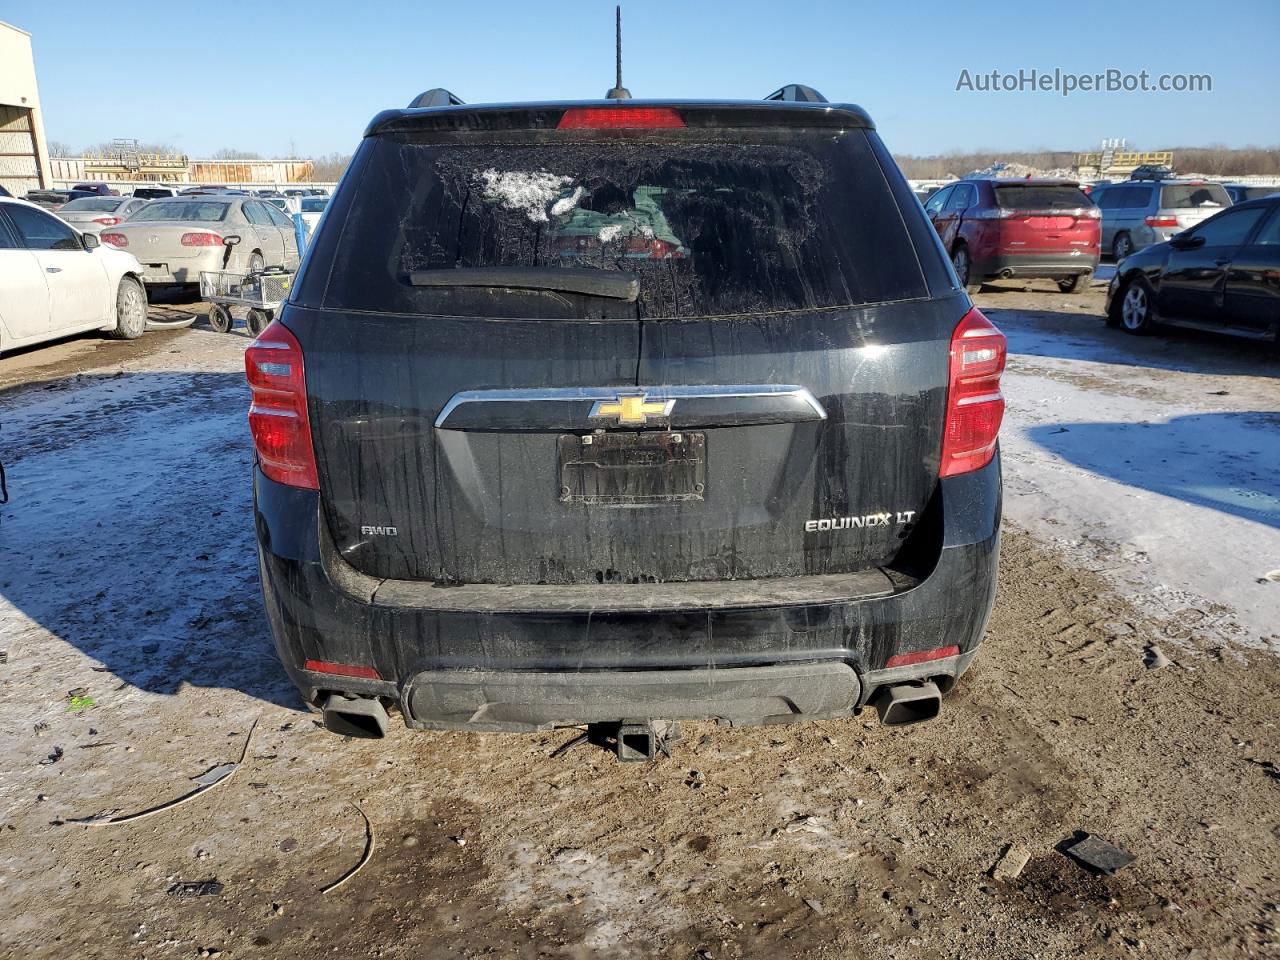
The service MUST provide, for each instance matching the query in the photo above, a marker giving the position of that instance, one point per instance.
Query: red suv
(1017, 228)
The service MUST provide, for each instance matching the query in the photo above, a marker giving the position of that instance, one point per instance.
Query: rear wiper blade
(615, 284)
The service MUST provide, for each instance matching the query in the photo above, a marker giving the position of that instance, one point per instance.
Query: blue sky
(279, 74)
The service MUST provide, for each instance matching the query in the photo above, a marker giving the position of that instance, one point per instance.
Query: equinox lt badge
(866, 520)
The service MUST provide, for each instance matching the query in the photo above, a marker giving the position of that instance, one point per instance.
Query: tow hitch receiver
(635, 741)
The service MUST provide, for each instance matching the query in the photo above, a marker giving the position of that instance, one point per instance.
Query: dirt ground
(136, 658)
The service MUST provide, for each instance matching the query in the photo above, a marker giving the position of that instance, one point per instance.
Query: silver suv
(1138, 213)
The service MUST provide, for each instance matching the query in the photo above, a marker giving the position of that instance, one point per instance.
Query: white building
(24, 155)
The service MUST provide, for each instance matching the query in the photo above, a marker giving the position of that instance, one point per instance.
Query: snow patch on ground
(1019, 171)
(1169, 488)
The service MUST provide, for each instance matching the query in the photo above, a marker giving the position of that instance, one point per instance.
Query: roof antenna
(619, 92)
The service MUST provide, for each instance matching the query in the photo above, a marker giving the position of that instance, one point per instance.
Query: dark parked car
(155, 193)
(51, 200)
(622, 412)
(1223, 274)
(1240, 192)
(93, 190)
(1017, 228)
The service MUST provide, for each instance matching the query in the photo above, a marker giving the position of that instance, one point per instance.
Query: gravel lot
(137, 658)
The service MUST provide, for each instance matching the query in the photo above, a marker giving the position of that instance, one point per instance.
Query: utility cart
(262, 293)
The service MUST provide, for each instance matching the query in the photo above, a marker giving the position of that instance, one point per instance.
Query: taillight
(202, 239)
(975, 405)
(922, 656)
(278, 408)
(345, 669)
(107, 221)
(1093, 213)
(619, 118)
(1162, 221)
(115, 239)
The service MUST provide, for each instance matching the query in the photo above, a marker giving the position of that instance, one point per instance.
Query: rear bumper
(168, 271)
(524, 666)
(1031, 265)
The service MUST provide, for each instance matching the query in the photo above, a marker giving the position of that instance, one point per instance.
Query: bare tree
(230, 153)
(109, 149)
(60, 148)
(329, 168)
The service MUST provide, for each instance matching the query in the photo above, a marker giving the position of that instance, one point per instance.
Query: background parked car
(55, 281)
(1218, 275)
(177, 239)
(50, 200)
(312, 209)
(95, 213)
(1138, 213)
(154, 193)
(97, 189)
(1017, 228)
(1240, 192)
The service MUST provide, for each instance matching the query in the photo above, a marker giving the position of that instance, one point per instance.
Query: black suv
(625, 411)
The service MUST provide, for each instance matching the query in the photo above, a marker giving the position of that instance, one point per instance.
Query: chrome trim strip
(670, 392)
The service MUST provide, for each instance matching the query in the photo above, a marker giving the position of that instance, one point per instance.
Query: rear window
(316, 205)
(789, 221)
(94, 203)
(182, 210)
(1194, 195)
(1040, 197)
(150, 193)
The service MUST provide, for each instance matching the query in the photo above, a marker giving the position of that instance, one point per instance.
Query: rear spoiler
(783, 108)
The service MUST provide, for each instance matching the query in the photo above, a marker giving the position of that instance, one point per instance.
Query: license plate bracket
(632, 469)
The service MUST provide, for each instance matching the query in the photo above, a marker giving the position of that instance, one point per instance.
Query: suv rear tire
(1121, 246)
(131, 310)
(961, 263)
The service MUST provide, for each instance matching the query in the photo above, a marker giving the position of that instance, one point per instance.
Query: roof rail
(435, 97)
(798, 92)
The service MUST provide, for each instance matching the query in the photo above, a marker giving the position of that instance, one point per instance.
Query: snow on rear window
(530, 192)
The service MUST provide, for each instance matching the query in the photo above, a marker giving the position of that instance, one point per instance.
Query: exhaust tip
(362, 717)
(906, 703)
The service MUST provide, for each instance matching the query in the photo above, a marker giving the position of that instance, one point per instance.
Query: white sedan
(55, 281)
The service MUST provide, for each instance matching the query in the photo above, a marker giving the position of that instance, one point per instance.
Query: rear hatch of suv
(1183, 205)
(1046, 219)
(640, 344)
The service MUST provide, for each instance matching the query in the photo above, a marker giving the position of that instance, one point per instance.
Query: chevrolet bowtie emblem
(632, 410)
